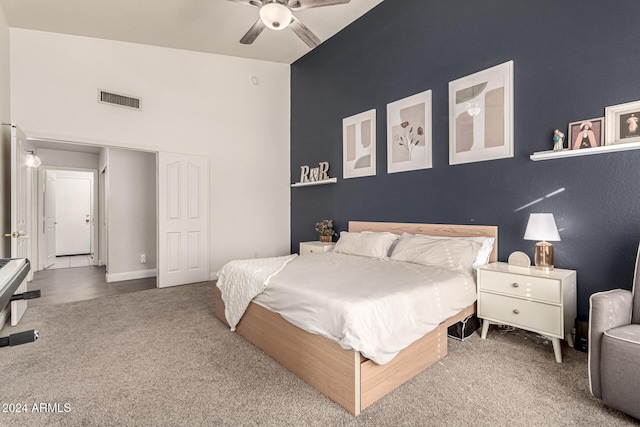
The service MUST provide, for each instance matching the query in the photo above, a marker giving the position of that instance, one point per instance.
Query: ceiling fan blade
(304, 33)
(253, 32)
(256, 3)
(308, 4)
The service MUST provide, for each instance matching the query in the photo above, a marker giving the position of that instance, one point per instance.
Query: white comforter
(240, 281)
(375, 307)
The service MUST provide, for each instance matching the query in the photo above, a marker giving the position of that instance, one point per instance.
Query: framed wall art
(359, 145)
(622, 123)
(481, 115)
(409, 133)
(586, 134)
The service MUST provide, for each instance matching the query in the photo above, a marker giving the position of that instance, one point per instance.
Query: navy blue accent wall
(571, 59)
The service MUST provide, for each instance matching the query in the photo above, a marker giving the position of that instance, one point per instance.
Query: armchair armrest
(607, 310)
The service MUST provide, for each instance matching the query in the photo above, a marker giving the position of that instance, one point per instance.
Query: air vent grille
(119, 100)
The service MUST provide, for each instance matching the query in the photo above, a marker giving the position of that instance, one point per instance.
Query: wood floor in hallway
(80, 283)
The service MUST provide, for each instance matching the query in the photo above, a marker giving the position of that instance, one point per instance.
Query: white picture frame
(359, 145)
(622, 123)
(409, 133)
(481, 115)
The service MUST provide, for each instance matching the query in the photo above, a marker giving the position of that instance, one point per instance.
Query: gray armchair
(614, 347)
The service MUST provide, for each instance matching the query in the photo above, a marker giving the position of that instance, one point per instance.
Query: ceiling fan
(276, 15)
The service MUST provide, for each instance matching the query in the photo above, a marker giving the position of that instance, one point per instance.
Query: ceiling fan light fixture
(275, 16)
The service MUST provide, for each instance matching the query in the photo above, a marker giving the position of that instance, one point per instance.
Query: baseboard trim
(213, 275)
(131, 275)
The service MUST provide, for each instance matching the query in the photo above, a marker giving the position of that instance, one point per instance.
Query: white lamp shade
(542, 226)
(275, 16)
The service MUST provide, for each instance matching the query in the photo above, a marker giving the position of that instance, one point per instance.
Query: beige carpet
(160, 358)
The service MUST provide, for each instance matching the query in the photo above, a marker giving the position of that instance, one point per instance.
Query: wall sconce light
(542, 226)
(33, 161)
(473, 109)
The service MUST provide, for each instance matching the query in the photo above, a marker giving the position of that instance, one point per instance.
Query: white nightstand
(315, 247)
(540, 301)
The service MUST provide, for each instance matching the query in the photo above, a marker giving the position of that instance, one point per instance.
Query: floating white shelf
(549, 155)
(324, 181)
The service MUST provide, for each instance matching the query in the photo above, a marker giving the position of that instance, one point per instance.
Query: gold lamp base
(544, 256)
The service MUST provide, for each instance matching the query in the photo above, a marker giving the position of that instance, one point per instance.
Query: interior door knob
(15, 234)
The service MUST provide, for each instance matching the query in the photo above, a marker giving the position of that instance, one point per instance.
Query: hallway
(71, 261)
(80, 283)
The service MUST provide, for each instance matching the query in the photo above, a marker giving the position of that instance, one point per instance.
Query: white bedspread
(375, 307)
(240, 281)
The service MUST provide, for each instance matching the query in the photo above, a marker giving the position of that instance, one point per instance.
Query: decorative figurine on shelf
(325, 229)
(558, 140)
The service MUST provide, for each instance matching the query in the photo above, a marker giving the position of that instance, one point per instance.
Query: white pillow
(485, 251)
(369, 244)
(451, 254)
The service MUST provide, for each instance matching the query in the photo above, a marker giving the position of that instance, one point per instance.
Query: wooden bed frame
(345, 376)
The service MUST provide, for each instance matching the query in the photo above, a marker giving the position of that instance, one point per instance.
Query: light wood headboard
(447, 230)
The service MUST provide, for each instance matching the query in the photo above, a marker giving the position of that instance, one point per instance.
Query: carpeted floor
(160, 358)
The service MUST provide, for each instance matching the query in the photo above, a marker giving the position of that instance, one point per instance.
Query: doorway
(69, 209)
(130, 186)
(114, 225)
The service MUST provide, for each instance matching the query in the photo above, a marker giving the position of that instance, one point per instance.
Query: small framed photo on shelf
(622, 123)
(586, 134)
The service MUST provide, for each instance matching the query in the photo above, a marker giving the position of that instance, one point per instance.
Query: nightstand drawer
(307, 248)
(540, 288)
(521, 313)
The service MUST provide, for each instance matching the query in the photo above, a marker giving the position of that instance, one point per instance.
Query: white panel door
(49, 218)
(19, 218)
(183, 219)
(73, 215)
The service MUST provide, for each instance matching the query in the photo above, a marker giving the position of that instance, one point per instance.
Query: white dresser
(528, 298)
(307, 248)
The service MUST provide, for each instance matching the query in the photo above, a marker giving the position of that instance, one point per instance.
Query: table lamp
(542, 226)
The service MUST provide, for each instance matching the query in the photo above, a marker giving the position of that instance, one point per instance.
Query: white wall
(131, 212)
(192, 103)
(5, 137)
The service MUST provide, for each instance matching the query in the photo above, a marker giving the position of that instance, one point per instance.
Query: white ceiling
(213, 26)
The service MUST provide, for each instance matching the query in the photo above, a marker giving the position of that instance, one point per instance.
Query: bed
(346, 376)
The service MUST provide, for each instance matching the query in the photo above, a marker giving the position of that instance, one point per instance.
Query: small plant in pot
(325, 230)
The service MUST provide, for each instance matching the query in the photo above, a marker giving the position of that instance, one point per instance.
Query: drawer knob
(516, 311)
(515, 285)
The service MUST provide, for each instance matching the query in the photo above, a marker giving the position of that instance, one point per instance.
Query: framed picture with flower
(586, 133)
(622, 123)
(359, 145)
(409, 133)
(481, 115)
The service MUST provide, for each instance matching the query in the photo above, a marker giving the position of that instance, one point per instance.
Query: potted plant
(325, 230)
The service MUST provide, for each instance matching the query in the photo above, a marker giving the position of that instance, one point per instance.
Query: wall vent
(117, 99)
